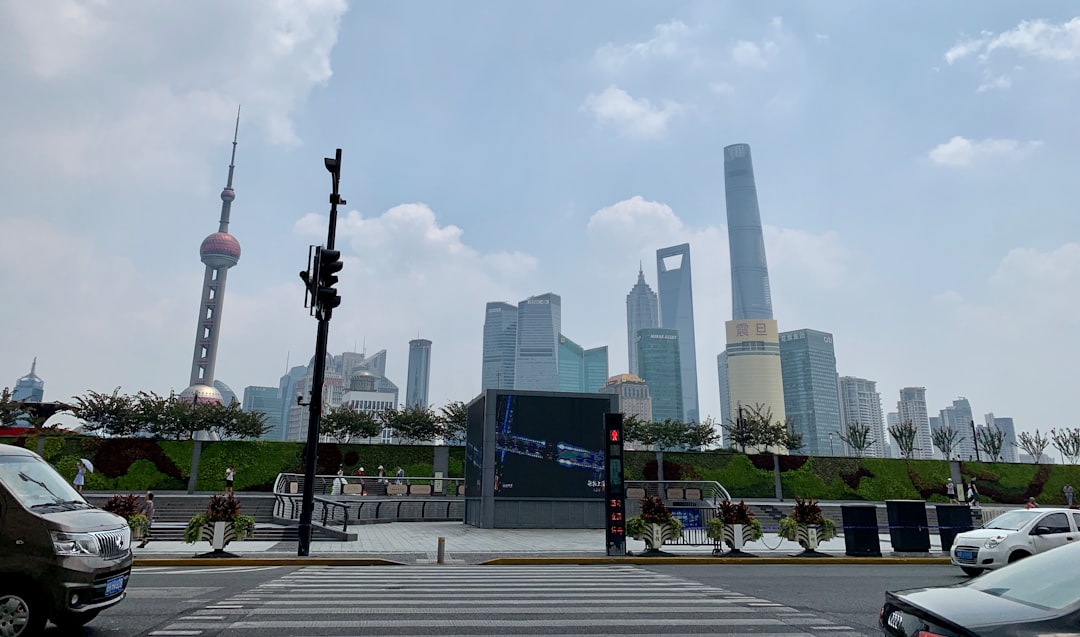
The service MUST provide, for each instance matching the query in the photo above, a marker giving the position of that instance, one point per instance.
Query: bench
(692, 494)
(675, 494)
(352, 489)
(294, 487)
(420, 489)
(397, 489)
(635, 493)
(461, 490)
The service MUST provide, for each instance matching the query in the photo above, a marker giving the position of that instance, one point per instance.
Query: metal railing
(332, 512)
(707, 492)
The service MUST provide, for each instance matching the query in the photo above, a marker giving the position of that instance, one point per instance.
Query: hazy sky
(917, 173)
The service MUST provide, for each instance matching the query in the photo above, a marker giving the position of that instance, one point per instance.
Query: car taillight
(926, 633)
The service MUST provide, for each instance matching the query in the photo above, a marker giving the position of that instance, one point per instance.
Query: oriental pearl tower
(219, 251)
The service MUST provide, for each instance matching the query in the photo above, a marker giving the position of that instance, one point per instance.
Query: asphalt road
(792, 601)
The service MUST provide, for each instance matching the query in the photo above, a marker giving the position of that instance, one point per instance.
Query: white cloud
(1041, 39)
(668, 42)
(749, 54)
(721, 88)
(635, 118)
(995, 83)
(965, 48)
(960, 151)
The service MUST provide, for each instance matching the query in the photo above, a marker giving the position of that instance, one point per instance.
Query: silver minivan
(61, 559)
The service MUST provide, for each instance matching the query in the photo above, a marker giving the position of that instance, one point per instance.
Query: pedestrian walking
(230, 477)
(950, 490)
(80, 477)
(1068, 491)
(382, 475)
(1031, 504)
(399, 474)
(147, 509)
(972, 493)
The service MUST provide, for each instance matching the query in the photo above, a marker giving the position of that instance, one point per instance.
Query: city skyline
(557, 170)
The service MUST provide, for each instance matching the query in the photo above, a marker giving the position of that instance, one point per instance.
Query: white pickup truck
(1014, 535)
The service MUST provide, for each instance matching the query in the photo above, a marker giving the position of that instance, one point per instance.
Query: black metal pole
(975, 442)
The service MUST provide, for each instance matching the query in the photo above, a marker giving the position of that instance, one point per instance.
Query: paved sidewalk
(417, 543)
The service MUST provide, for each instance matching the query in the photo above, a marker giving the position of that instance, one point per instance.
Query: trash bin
(908, 528)
(861, 530)
(952, 520)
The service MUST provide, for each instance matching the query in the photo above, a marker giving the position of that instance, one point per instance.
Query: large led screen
(549, 446)
(474, 447)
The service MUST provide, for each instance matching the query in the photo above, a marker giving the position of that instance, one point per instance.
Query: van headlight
(994, 541)
(74, 543)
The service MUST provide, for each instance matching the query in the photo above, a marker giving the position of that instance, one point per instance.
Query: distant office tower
(266, 401)
(500, 345)
(751, 362)
(29, 388)
(219, 251)
(363, 394)
(725, 396)
(633, 393)
(811, 401)
(340, 371)
(416, 386)
(959, 417)
(936, 422)
(287, 389)
(912, 408)
(659, 361)
(581, 370)
(536, 365)
(892, 419)
(676, 297)
(860, 402)
(642, 310)
(1005, 424)
(228, 396)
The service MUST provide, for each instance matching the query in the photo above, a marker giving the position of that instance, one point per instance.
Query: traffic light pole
(315, 405)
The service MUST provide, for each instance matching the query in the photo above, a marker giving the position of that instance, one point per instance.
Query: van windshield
(33, 482)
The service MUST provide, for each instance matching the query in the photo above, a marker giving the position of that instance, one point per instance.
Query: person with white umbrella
(80, 477)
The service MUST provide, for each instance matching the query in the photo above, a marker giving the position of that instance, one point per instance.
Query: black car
(1039, 595)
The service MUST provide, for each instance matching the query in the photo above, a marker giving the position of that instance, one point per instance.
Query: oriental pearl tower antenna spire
(219, 251)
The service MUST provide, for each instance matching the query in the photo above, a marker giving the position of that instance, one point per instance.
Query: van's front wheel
(21, 614)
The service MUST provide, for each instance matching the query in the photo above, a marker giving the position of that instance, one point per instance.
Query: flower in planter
(221, 508)
(655, 524)
(722, 527)
(805, 516)
(129, 507)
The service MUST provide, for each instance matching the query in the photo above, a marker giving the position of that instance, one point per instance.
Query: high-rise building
(860, 402)
(219, 252)
(642, 311)
(912, 408)
(936, 422)
(581, 370)
(416, 386)
(536, 365)
(340, 373)
(811, 398)
(725, 396)
(363, 394)
(500, 345)
(892, 419)
(659, 361)
(751, 362)
(1008, 445)
(266, 401)
(962, 421)
(29, 388)
(288, 385)
(633, 393)
(675, 286)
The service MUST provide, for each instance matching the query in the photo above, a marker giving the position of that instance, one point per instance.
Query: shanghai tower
(749, 368)
(219, 251)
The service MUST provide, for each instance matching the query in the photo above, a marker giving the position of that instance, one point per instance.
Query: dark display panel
(549, 447)
(474, 447)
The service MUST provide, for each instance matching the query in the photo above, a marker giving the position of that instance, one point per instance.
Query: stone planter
(737, 535)
(219, 534)
(657, 534)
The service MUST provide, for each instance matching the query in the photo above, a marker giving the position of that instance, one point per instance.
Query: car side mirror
(1041, 530)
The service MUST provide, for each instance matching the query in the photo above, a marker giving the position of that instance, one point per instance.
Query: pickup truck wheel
(973, 572)
(1018, 555)
(21, 614)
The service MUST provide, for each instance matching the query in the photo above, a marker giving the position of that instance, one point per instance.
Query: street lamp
(832, 450)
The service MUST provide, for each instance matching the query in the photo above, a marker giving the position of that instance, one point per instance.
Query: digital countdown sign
(615, 508)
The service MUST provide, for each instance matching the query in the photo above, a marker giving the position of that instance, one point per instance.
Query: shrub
(806, 513)
(221, 508)
(123, 505)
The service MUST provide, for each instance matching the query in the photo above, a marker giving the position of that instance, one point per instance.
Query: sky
(916, 175)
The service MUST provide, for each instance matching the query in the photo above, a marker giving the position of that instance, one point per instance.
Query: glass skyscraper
(659, 361)
(811, 398)
(500, 346)
(416, 386)
(536, 365)
(912, 408)
(1005, 424)
(958, 416)
(266, 401)
(751, 297)
(29, 388)
(642, 310)
(674, 282)
(581, 370)
(860, 402)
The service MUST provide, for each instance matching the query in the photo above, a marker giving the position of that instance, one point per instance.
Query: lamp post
(832, 450)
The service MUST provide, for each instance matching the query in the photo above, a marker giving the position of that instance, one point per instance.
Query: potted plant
(807, 526)
(655, 525)
(735, 525)
(129, 507)
(222, 523)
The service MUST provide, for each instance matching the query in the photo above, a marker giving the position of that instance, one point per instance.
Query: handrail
(293, 483)
(329, 509)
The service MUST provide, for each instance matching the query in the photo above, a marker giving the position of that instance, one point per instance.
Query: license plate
(114, 586)
(965, 555)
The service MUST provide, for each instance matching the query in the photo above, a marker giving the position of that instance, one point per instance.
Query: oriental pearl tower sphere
(219, 251)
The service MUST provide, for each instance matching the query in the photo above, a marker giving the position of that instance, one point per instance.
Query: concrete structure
(642, 311)
(860, 402)
(753, 367)
(340, 370)
(1007, 427)
(219, 252)
(581, 370)
(361, 393)
(659, 361)
(266, 401)
(675, 285)
(29, 388)
(416, 385)
(811, 397)
(500, 346)
(288, 389)
(912, 408)
(634, 396)
(536, 361)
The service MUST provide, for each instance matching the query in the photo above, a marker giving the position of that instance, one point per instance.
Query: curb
(264, 561)
(537, 561)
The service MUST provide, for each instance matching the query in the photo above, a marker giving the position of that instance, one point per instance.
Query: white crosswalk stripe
(463, 601)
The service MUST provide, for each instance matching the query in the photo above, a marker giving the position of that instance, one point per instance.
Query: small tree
(904, 434)
(738, 432)
(411, 424)
(793, 440)
(346, 422)
(115, 414)
(754, 427)
(10, 409)
(1067, 442)
(946, 439)
(990, 441)
(453, 419)
(667, 434)
(857, 437)
(1034, 444)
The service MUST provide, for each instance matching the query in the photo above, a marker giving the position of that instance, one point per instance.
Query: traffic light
(328, 263)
